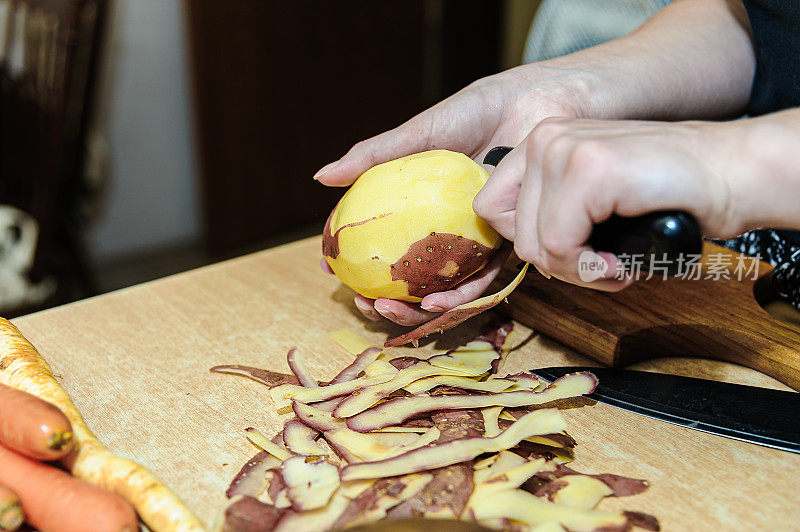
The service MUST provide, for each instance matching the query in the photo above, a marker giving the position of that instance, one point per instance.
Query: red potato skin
(55, 501)
(33, 427)
(248, 514)
(11, 516)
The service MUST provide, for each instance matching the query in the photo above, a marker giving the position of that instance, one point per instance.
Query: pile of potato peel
(444, 437)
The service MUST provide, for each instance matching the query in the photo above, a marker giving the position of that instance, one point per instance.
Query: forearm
(765, 184)
(693, 59)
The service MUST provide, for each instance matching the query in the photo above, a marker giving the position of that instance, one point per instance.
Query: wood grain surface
(136, 363)
(714, 316)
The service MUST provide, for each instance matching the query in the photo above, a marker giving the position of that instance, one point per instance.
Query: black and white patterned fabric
(779, 248)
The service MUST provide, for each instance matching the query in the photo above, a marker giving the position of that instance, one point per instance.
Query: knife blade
(748, 413)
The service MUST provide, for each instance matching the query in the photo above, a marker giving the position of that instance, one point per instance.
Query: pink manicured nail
(432, 308)
(322, 171)
(388, 314)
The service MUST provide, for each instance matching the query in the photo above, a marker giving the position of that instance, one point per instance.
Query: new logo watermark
(591, 266)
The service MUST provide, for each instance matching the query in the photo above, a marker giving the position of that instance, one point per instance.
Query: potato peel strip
(395, 411)
(544, 421)
(459, 314)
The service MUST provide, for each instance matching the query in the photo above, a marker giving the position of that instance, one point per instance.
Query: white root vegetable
(544, 421)
(23, 368)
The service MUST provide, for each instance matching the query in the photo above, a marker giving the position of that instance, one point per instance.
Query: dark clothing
(776, 86)
(776, 39)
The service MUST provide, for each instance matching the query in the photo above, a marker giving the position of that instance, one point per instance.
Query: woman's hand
(498, 110)
(694, 58)
(570, 174)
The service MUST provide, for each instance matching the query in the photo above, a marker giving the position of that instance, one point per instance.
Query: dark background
(267, 93)
(319, 77)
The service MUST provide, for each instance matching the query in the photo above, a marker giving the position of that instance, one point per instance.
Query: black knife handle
(664, 238)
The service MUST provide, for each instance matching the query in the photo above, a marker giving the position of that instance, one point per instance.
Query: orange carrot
(53, 500)
(10, 510)
(33, 427)
(23, 368)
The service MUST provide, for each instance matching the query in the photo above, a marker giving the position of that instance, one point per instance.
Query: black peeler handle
(669, 238)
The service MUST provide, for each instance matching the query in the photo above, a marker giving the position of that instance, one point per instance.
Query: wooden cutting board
(713, 313)
(136, 363)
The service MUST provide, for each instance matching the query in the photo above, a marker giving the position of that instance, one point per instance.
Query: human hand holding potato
(498, 110)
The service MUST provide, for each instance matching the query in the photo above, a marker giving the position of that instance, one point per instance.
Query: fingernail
(364, 306)
(367, 310)
(388, 314)
(325, 169)
(432, 308)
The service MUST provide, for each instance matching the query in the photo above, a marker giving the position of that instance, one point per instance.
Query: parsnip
(22, 367)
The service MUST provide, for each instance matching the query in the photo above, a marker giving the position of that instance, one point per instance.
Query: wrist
(761, 166)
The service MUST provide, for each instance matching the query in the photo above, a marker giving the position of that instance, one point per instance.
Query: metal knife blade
(747, 413)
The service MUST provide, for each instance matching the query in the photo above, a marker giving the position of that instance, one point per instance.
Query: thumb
(393, 144)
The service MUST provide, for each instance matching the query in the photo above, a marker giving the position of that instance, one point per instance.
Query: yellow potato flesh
(402, 202)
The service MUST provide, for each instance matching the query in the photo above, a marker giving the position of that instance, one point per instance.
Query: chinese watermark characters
(694, 267)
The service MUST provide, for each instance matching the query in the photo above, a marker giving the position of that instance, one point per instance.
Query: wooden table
(136, 363)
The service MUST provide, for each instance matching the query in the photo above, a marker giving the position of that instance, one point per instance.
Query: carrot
(53, 500)
(33, 427)
(11, 516)
(23, 368)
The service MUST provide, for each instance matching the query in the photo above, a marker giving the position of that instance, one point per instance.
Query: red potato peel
(532, 511)
(252, 479)
(367, 447)
(283, 395)
(264, 376)
(445, 496)
(317, 418)
(301, 439)
(299, 369)
(310, 483)
(474, 359)
(248, 514)
(539, 422)
(578, 491)
(373, 503)
(395, 473)
(367, 396)
(465, 383)
(265, 444)
(459, 314)
(364, 359)
(395, 411)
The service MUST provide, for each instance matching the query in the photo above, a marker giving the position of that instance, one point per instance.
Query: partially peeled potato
(406, 228)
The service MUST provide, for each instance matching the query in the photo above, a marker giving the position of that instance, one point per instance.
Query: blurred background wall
(201, 122)
(143, 114)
